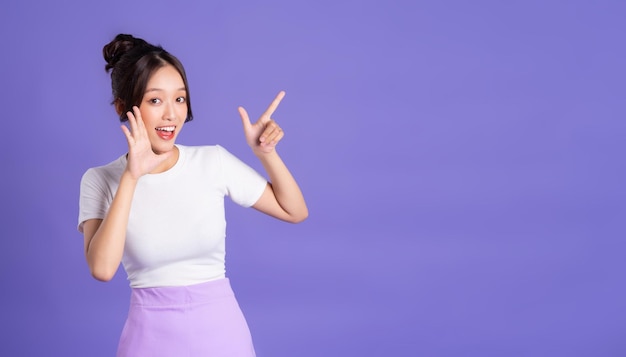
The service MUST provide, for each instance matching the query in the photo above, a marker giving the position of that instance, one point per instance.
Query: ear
(119, 106)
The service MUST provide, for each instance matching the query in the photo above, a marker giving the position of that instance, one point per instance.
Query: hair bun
(120, 45)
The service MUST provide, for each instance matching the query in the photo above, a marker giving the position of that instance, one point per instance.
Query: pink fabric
(186, 321)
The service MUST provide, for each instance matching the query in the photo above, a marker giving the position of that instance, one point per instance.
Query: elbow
(102, 274)
(299, 217)
(102, 268)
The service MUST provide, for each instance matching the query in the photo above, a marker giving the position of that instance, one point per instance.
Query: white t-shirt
(176, 229)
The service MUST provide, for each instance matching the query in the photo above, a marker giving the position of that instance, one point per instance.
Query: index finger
(270, 110)
(134, 119)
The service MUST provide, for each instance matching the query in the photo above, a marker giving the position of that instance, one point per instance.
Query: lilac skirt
(186, 321)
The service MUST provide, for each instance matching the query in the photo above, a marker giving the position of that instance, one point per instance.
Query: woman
(159, 210)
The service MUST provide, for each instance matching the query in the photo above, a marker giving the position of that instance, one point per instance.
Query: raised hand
(141, 159)
(264, 135)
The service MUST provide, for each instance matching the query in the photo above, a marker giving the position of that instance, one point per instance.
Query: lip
(166, 135)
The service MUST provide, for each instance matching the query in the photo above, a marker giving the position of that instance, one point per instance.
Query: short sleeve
(243, 184)
(93, 202)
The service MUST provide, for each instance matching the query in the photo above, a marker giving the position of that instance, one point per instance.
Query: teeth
(166, 128)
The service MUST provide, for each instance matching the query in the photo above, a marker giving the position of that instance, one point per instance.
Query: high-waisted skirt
(185, 321)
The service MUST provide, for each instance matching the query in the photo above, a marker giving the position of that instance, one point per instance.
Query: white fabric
(176, 230)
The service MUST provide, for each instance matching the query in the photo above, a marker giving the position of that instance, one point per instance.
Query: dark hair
(132, 62)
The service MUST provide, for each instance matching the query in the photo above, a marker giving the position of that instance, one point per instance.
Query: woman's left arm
(282, 197)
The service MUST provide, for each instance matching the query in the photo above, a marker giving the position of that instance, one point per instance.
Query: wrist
(262, 155)
(129, 177)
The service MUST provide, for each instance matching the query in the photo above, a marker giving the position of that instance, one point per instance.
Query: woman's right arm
(105, 238)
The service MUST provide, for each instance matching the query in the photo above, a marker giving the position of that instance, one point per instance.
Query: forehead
(166, 77)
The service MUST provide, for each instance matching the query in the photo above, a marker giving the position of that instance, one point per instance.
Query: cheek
(182, 112)
(147, 114)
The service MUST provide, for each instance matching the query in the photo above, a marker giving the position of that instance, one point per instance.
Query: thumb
(245, 120)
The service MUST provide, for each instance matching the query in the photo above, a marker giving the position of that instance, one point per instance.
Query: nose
(169, 113)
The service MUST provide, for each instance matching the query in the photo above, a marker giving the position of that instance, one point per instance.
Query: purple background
(463, 162)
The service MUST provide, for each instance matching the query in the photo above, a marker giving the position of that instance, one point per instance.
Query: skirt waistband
(181, 295)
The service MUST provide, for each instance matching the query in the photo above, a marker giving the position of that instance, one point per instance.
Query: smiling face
(164, 108)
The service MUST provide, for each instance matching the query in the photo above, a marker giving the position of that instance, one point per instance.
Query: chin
(162, 149)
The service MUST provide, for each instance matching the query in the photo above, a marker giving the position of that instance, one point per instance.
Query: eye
(181, 100)
(155, 101)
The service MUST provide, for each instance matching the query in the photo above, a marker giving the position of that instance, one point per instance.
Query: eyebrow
(161, 90)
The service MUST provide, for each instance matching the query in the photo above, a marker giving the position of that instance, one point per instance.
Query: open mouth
(166, 132)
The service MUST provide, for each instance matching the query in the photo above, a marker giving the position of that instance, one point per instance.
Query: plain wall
(463, 162)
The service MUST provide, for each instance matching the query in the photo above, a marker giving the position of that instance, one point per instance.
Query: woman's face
(164, 108)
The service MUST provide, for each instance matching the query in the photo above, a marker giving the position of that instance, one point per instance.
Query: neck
(169, 163)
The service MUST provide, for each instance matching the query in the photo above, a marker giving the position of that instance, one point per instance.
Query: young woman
(159, 210)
